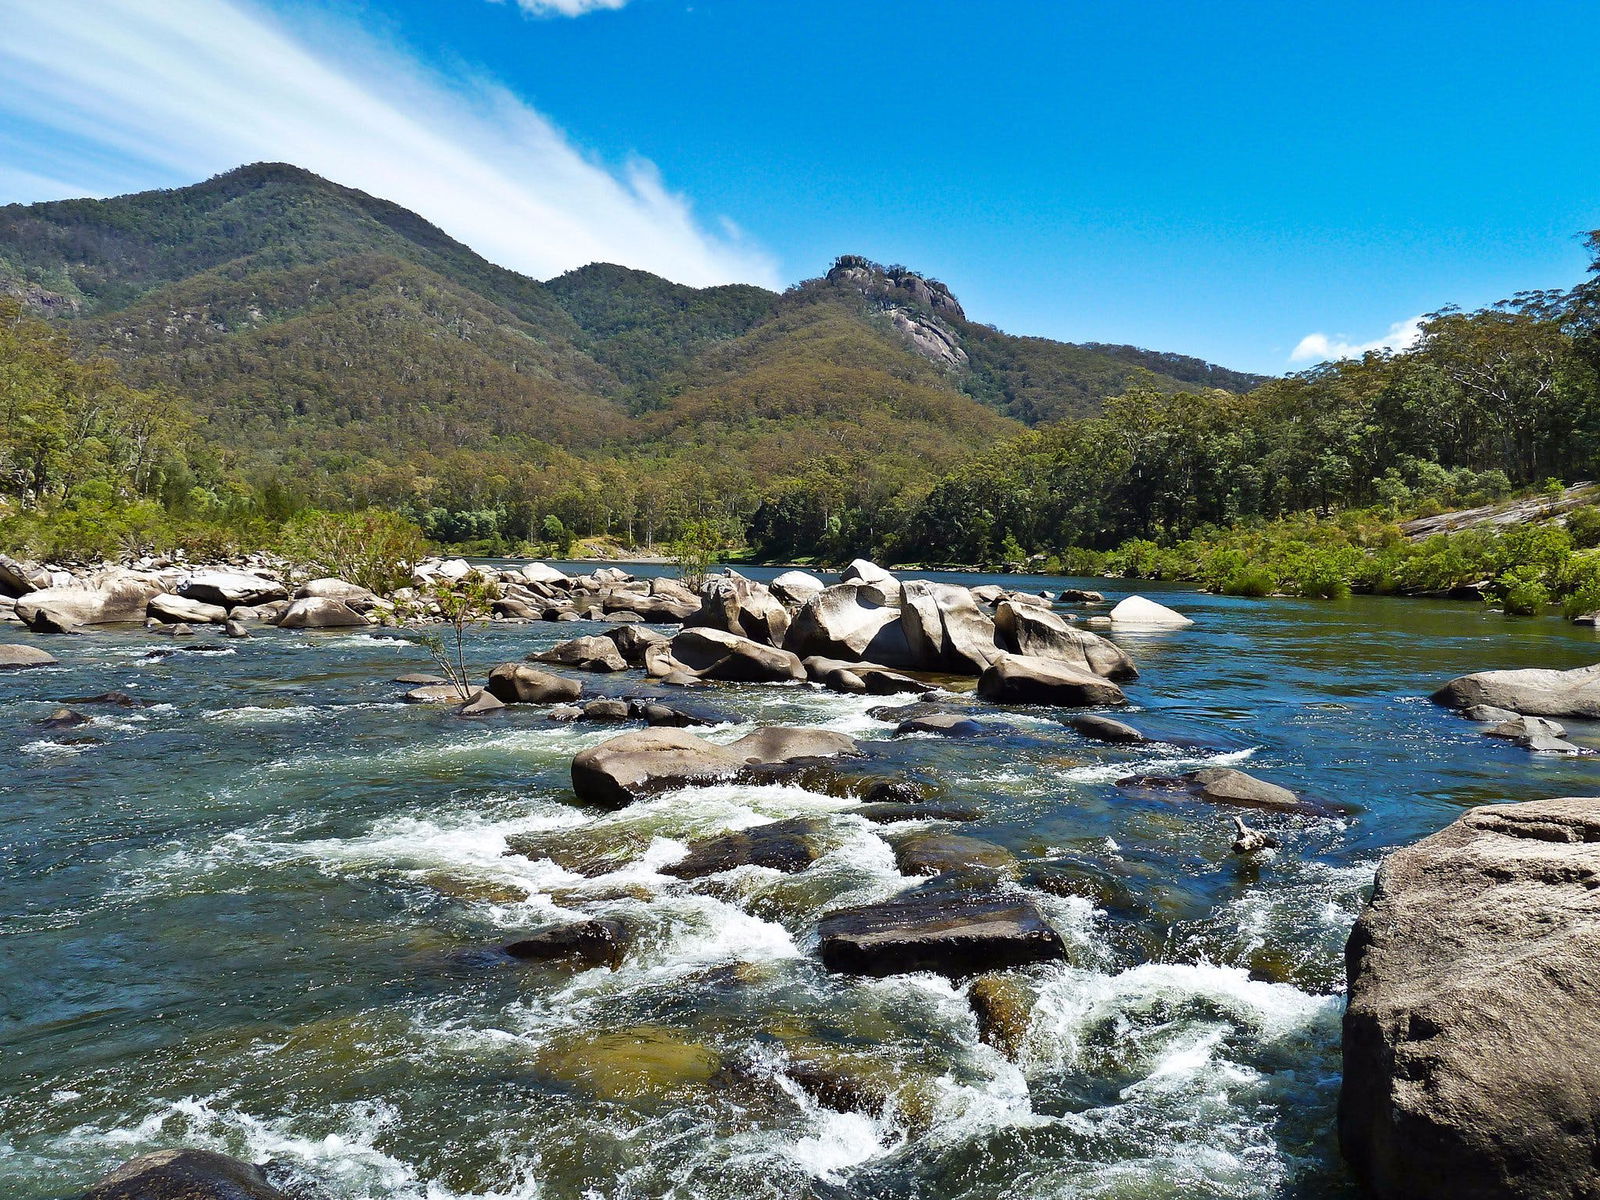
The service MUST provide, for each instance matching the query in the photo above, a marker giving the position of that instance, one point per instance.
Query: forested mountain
(336, 346)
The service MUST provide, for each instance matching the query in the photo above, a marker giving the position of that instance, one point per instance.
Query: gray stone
(1536, 692)
(1021, 679)
(519, 683)
(318, 612)
(230, 589)
(951, 932)
(14, 656)
(1105, 729)
(716, 654)
(1039, 633)
(586, 653)
(173, 609)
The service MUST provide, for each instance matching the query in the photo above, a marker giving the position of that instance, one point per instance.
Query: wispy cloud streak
(566, 8)
(1321, 347)
(108, 95)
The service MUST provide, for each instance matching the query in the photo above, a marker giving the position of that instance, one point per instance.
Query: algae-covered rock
(640, 1062)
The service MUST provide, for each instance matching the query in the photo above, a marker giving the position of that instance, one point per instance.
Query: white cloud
(565, 8)
(107, 95)
(1320, 347)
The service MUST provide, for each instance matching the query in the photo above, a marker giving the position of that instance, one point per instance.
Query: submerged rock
(945, 724)
(955, 932)
(63, 718)
(1536, 692)
(1224, 785)
(641, 1062)
(937, 853)
(1472, 1034)
(185, 1175)
(888, 812)
(1003, 1006)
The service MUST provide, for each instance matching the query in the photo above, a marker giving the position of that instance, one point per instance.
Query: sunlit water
(260, 917)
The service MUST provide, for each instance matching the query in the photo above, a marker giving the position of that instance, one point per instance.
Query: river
(261, 916)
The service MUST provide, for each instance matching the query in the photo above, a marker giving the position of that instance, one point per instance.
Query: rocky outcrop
(1472, 1034)
(715, 654)
(1536, 692)
(519, 683)
(850, 621)
(231, 589)
(320, 612)
(946, 630)
(114, 597)
(733, 604)
(952, 930)
(1139, 613)
(185, 1175)
(173, 609)
(15, 657)
(1021, 679)
(1039, 633)
(20, 578)
(600, 942)
(787, 846)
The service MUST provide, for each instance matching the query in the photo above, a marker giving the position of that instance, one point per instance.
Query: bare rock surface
(1537, 692)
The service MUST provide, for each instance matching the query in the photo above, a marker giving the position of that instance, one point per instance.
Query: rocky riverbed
(792, 886)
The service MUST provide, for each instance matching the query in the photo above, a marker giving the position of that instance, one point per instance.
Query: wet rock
(111, 699)
(1489, 714)
(1519, 729)
(1104, 729)
(937, 853)
(857, 1081)
(479, 704)
(320, 612)
(951, 932)
(230, 589)
(619, 770)
(794, 588)
(16, 657)
(173, 609)
(234, 629)
(785, 743)
(1138, 612)
(1039, 633)
(1080, 596)
(1472, 1034)
(945, 724)
(585, 653)
(716, 654)
(653, 713)
(519, 683)
(869, 678)
(177, 631)
(1250, 841)
(788, 846)
(1535, 692)
(439, 693)
(1019, 679)
(1085, 877)
(1224, 785)
(888, 812)
(63, 718)
(607, 710)
(594, 943)
(185, 1175)
(1003, 1006)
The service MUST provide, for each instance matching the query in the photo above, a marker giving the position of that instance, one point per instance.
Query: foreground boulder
(1023, 679)
(14, 657)
(185, 1175)
(320, 612)
(951, 931)
(1147, 614)
(717, 654)
(621, 769)
(1472, 1035)
(1536, 692)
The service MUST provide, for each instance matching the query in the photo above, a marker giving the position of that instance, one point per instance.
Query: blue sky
(1232, 180)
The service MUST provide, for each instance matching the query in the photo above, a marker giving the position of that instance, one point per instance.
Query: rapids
(261, 914)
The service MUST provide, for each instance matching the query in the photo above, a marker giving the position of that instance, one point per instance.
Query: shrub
(1522, 592)
(1583, 526)
(374, 549)
(1250, 581)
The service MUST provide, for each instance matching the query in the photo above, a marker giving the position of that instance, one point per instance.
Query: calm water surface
(259, 916)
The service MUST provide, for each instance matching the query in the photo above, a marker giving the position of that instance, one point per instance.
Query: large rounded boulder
(946, 629)
(1037, 632)
(231, 589)
(1140, 613)
(850, 621)
(734, 604)
(1023, 679)
(519, 683)
(320, 612)
(16, 657)
(717, 654)
(116, 596)
(1537, 692)
(1472, 1033)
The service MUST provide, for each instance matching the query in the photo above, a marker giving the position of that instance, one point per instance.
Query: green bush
(1522, 592)
(1583, 526)
(1250, 581)
(373, 548)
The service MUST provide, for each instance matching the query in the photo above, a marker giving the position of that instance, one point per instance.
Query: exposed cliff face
(919, 309)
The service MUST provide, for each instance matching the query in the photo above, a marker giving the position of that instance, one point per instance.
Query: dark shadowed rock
(945, 724)
(594, 943)
(872, 678)
(633, 640)
(1104, 729)
(15, 657)
(63, 718)
(586, 653)
(888, 812)
(479, 704)
(230, 589)
(717, 654)
(185, 1175)
(1019, 679)
(1536, 692)
(955, 931)
(787, 846)
(1472, 1035)
(111, 699)
(519, 683)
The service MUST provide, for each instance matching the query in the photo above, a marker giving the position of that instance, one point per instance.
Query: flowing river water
(261, 916)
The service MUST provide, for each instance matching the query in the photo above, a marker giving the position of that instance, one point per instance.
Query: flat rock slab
(1472, 1035)
(934, 929)
(1536, 692)
(16, 657)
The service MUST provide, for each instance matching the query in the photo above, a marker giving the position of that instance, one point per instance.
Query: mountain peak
(894, 286)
